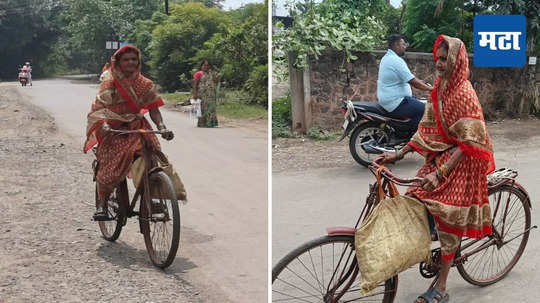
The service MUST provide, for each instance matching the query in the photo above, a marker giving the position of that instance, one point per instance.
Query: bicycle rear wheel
(116, 209)
(324, 270)
(161, 228)
(511, 222)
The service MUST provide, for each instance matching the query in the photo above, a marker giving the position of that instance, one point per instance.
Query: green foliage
(338, 24)
(240, 48)
(317, 133)
(141, 36)
(530, 9)
(281, 118)
(177, 40)
(87, 24)
(27, 33)
(241, 111)
(257, 86)
(391, 18)
(422, 25)
(175, 97)
(207, 3)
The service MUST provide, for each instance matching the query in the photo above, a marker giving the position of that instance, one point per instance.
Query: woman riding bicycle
(124, 97)
(453, 137)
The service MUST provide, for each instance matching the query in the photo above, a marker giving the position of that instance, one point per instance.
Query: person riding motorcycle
(394, 84)
(28, 70)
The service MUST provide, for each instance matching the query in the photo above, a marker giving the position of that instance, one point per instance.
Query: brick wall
(332, 78)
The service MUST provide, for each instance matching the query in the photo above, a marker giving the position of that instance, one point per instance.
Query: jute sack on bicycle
(394, 237)
(159, 159)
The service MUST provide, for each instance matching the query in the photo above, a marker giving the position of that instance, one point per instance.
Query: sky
(234, 4)
(281, 11)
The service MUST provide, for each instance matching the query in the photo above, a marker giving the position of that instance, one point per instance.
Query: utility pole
(167, 7)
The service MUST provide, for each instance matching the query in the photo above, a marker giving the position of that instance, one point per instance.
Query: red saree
(453, 118)
(121, 102)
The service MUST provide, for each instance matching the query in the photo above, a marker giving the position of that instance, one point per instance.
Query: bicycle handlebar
(388, 174)
(137, 131)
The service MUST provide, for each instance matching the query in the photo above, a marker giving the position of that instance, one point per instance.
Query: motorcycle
(373, 131)
(23, 78)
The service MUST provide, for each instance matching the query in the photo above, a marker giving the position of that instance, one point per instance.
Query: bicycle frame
(347, 276)
(143, 186)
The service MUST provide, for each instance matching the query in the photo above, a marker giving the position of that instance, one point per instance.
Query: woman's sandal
(433, 294)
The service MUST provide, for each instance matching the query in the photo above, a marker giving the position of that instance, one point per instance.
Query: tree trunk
(400, 26)
(296, 78)
(531, 93)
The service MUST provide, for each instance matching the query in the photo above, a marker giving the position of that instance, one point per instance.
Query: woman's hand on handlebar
(167, 134)
(106, 127)
(387, 158)
(430, 182)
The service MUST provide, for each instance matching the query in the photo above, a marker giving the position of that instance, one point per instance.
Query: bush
(319, 134)
(257, 86)
(281, 118)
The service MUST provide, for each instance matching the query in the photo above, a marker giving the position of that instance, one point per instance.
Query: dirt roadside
(50, 249)
(296, 154)
(259, 125)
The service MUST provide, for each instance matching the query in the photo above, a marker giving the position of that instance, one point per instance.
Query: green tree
(141, 36)
(241, 51)
(88, 24)
(338, 24)
(207, 3)
(178, 39)
(425, 19)
(27, 33)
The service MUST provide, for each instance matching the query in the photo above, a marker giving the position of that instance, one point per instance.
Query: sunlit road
(223, 250)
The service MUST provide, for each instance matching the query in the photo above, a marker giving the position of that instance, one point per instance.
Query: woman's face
(442, 62)
(129, 62)
(205, 67)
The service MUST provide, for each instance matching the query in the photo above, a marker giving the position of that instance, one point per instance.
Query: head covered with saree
(123, 97)
(453, 115)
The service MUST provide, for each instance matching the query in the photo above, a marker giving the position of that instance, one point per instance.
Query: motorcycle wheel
(364, 133)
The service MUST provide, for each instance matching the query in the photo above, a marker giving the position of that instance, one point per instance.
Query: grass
(232, 104)
(241, 111)
(173, 98)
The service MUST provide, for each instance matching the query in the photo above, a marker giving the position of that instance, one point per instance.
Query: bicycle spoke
(315, 288)
(321, 287)
(301, 278)
(294, 286)
(291, 297)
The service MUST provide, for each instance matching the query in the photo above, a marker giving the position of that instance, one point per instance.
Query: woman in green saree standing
(204, 87)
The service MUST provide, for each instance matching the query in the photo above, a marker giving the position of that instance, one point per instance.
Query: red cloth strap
(126, 96)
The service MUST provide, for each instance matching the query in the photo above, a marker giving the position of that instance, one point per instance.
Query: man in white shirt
(394, 83)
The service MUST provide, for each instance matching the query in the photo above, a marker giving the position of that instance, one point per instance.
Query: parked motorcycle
(373, 131)
(23, 78)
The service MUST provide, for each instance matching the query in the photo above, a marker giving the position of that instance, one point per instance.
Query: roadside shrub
(257, 86)
(319, 134)
(281, 118)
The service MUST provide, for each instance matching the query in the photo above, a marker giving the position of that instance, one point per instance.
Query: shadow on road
(121, 254)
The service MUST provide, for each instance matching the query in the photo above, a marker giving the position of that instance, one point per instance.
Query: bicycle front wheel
(325, 270)
(116, 210)
(511, 218)
(160, 220)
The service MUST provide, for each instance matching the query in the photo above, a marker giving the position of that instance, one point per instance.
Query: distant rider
(28, 69)
(394, 84)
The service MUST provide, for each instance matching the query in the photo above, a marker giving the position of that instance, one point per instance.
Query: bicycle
(325, 269)
(158, 207)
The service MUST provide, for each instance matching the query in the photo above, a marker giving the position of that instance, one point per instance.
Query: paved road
(223, 248)
(305, 202)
